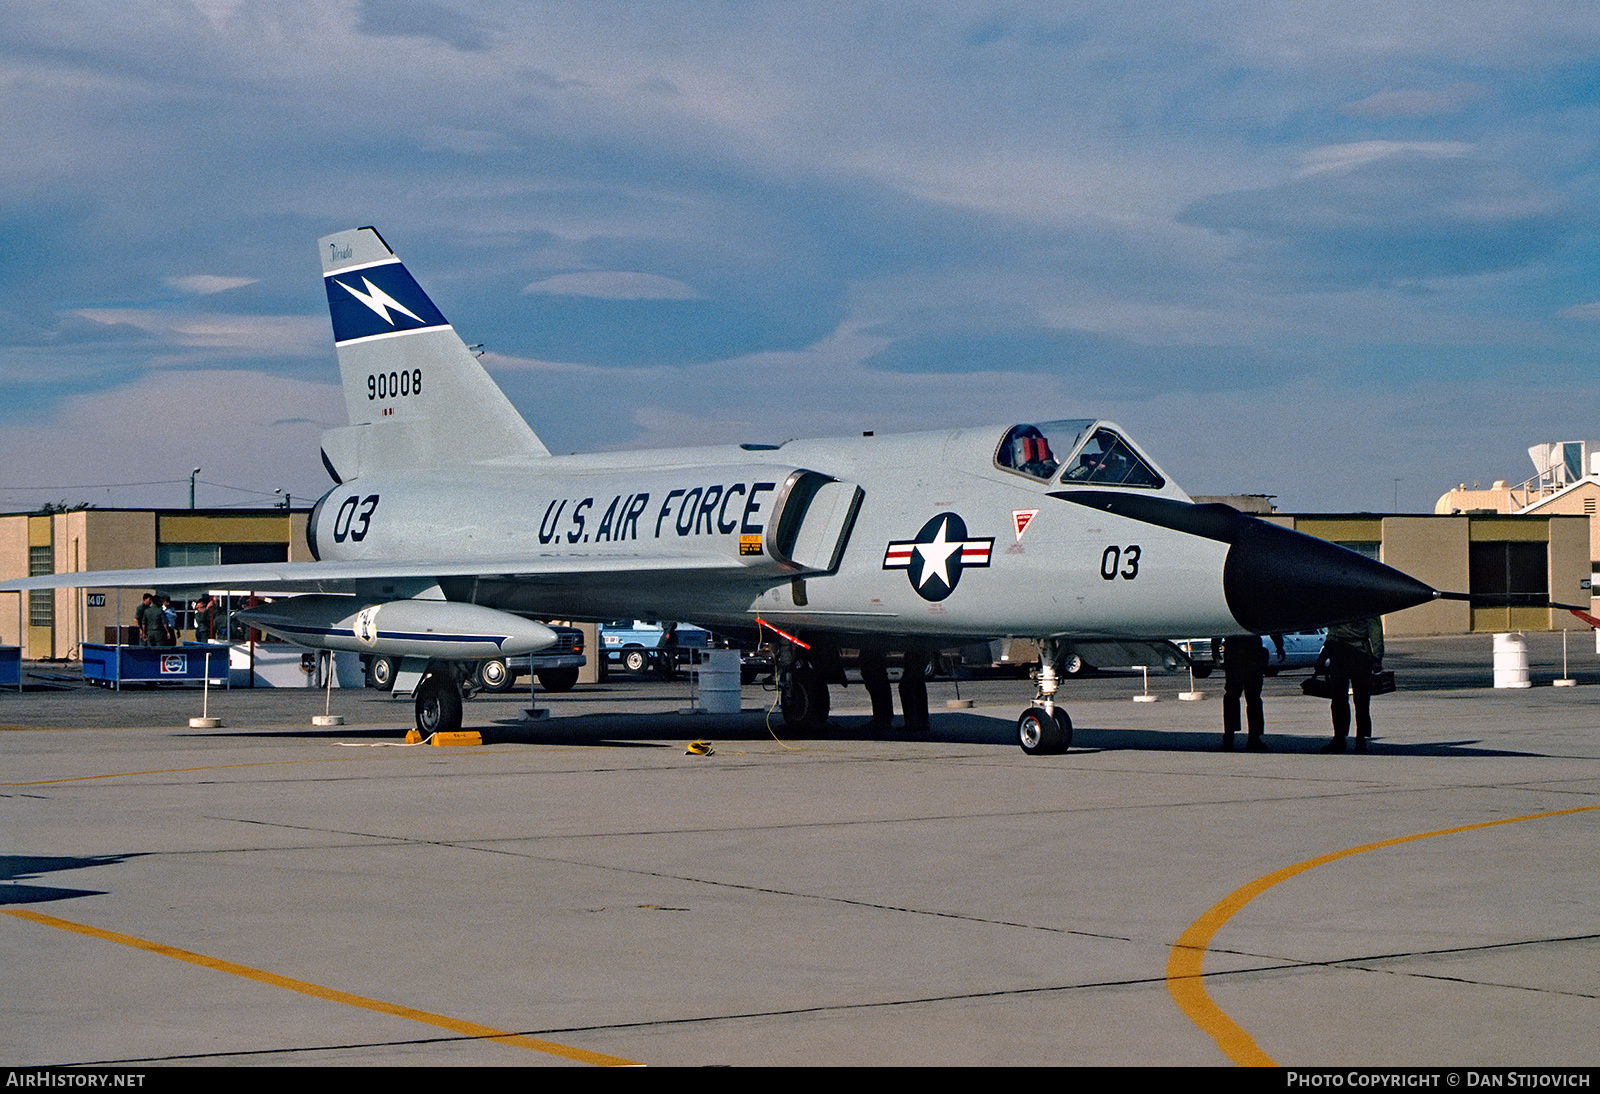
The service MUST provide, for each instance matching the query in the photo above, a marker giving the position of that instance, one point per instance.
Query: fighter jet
(451, 527)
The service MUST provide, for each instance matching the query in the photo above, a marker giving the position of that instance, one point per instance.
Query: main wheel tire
(636, 661)
(438, 707)
(1042, 732)
(494, 676)
(1072, 665)
(380, 673)
(804, 700)
(558, 679)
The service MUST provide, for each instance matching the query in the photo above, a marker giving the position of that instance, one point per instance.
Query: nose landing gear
(1043, 729)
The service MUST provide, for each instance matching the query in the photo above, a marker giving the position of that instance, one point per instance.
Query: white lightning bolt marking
(379, 301)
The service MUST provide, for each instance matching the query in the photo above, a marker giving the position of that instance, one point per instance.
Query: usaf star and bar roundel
(934, 560)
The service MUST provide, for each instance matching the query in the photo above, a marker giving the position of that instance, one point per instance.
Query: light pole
(192, 475)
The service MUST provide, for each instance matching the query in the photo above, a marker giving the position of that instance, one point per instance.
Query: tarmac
(582, 891)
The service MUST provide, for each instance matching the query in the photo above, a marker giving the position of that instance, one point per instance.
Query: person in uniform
(1244, 664)
(913, 690)
(205, 618)
(151, 621)
(1351, 653)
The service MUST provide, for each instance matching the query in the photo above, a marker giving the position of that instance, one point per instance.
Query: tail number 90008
(394, 385)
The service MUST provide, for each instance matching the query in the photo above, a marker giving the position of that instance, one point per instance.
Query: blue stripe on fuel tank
(346, 632)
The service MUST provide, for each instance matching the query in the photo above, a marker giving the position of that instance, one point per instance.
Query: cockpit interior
(1074, 452)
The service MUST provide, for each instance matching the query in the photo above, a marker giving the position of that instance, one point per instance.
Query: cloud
(613, 285)
(1389, 213)
(255, 335)
(233, 424)
(420, 19)
(1414, 102)
(465, 142)
(998, 211)
(208, 284)
(1366, 154)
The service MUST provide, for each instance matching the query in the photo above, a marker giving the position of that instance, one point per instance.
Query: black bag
(1318, 685)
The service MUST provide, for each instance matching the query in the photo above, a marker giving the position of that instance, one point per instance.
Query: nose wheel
(1043, 728)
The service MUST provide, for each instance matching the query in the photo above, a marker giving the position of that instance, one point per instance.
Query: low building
(1527, 558)
(51, 623)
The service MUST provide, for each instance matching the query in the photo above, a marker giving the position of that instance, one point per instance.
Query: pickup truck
(639, 648)
(556, 666)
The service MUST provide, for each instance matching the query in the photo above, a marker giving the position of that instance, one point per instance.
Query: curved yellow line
(1185, 964)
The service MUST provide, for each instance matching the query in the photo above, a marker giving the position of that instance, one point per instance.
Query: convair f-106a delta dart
(452, 527)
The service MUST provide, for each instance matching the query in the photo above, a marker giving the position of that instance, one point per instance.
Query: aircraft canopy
(1079, 451)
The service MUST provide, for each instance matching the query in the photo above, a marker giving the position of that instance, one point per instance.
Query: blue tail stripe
(379, 299)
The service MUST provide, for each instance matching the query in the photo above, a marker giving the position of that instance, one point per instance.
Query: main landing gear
(804, 672)
(803, 697)
(438, 700)
(1043, 729)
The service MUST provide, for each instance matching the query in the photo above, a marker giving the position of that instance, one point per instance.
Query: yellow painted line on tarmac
(184, 770)
(455, 1025)
(207, 767)
(1185, 972)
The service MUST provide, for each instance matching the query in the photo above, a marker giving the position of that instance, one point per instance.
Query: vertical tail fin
(415, 394)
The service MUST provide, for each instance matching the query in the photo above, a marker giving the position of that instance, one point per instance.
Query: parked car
(639, 648)
(556, 666)
(1299, 651)
(754, 664)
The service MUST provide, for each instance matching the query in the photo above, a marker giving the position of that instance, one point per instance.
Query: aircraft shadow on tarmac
(624, 729)
(334, 733)
(15, 867)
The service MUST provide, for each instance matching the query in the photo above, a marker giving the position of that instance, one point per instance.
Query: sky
(1340, 253)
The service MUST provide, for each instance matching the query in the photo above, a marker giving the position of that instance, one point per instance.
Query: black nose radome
(1274, 579)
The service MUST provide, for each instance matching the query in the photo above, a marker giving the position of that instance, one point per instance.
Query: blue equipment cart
(113, 666)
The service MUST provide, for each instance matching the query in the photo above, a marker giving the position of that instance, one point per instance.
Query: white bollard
(1145, 696)
(1511, 661)
(1565, 681)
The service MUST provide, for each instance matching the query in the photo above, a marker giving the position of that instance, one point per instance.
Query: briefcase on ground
(1320, 686)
